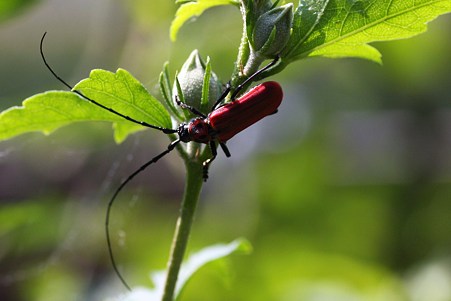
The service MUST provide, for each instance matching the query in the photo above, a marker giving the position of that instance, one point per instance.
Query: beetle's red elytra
(228, 120)
(236, 116)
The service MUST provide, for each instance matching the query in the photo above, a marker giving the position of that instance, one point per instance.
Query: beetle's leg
(240, 87)
(223, 96)
(252, 77)
(189, 108)
(207, 162)
(225, 149)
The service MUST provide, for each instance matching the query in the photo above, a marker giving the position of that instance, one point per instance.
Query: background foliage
(344, 193)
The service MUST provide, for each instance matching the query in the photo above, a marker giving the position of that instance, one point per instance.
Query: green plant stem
(193, 187)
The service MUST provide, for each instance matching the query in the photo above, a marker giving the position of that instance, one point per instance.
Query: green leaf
(305, 19)
(193, 9)
(49, 111)
(123, 93)
(343, 28)
(207, 255)
(188, 269)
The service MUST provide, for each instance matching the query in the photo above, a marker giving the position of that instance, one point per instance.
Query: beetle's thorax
(197, 129)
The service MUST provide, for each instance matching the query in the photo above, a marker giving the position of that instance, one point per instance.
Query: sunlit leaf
(207, 255)
(195, 262)
(120, 91)
(123, 93)
(343, 28)
(47, 112)
(193, 9)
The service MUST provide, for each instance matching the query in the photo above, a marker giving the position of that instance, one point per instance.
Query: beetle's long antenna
(143, 123)
(110, 204)
(242, 85)
(253, 76)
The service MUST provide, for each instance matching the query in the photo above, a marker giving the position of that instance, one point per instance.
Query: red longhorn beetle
(222, 123)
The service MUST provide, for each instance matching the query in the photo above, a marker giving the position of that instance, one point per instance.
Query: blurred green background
(345, 194)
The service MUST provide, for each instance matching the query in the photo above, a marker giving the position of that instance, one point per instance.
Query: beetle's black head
(183, 132)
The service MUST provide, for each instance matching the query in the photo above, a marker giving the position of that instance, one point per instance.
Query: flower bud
(272, 31)
(191, 78)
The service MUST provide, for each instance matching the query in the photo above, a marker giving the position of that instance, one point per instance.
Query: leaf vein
(369, 25)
